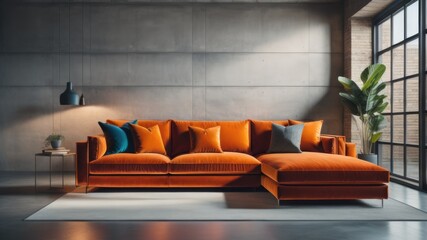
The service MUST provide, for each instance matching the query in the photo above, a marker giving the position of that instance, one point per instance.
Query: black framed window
(399, 40)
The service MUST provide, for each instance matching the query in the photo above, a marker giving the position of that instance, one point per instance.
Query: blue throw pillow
(285, 139)
(119, 139)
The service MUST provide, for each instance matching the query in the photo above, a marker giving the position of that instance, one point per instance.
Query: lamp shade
(69, 97)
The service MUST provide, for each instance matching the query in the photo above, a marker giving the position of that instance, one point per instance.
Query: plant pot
(373, 158)
(56, 143)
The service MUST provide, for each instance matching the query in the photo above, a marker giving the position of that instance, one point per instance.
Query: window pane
(398, 62)
(412, 162)
(384, 156)
(412, 57)
(387, 92)
(412, 130)
(384, 35)
(412, 19)
(398, 27)
(398, 129)
(386, 131)
(398, 160)
(398, 96)
(412, 95)
(385, 59)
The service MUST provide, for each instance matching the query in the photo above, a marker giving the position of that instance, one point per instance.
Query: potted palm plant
(367, 104)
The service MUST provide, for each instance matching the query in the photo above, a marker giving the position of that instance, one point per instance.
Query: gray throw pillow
(285, 139)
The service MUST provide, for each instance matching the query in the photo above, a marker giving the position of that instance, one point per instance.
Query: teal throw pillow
(119, 139)
(285, 139)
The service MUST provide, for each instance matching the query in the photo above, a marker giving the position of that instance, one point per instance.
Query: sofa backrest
(164, 126)
(234, 136)
(261, 135)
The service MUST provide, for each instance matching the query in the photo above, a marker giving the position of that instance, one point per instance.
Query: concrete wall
(157, 61)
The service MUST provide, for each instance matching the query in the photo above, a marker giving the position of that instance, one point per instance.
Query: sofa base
(324, 192)
(174, 181)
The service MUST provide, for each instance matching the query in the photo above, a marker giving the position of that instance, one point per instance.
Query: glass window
(384, 34)
(398, 160)
(398, 148)
(412, 57)
(412, 131)
(398, 128)
(397, 66)
(412, 103)
(398, 99)
(412, 162)
(398, 27)
(412, 19)
(385, 59)
(384, 152)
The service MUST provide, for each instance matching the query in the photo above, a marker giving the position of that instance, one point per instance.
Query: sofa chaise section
(312, 175)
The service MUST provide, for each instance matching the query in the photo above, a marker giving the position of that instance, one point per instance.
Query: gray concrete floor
(18, 200)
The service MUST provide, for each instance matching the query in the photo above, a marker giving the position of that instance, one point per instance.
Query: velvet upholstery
(215, 163)
(285, 139)
(324, 192)
(310, 168)
(338, 176)
(310, 140)
(147, 140)
(164, 127)
(205, 140)
(261, 134)
(215, 181)
(234, 135)
(130, 163)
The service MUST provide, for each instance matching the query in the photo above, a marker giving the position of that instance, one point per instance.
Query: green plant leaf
(349, 104)
(345, 82)
(372, 75)
(376, 136)
(380, 108)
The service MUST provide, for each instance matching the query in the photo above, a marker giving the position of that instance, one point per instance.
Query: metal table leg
(35, 173)
(50, 171)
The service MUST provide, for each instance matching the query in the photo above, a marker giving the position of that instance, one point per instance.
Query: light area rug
(215, 206)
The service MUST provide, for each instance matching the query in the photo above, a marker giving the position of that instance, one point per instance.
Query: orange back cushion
(164, 127)
(310, 140)
(261, 135)
(205, 140)
(148, 140)
(234, 135)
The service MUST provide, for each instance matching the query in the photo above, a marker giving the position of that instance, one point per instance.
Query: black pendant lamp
(69, 97)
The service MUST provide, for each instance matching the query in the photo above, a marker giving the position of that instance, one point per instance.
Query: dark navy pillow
(285, 139)
(119, 139)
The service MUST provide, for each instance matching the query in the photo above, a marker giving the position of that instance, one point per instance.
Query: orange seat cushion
(164, 126)
(130, 163)
(205, 140)
(261, 135)
(215, 163)
(320, 169)
(234, 135)
(310, 139)
(147, 140)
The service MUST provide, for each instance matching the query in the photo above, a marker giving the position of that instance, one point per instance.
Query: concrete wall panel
(261, 69)
(160, 61)
(266, 28)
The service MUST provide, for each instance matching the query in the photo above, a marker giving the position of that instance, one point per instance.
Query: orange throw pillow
(310, 140)
(205, 140)
(148, 140)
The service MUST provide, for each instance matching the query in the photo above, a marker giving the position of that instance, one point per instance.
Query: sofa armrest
(81, 163)
(328, 144)
(350, 149)
(97, 147)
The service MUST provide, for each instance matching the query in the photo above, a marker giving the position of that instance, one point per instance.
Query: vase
(371, 157)
(56, 143)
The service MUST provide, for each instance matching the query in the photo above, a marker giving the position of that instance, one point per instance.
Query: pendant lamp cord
(82, 45)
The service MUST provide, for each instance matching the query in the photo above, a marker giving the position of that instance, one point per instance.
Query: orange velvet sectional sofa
(331, 171)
